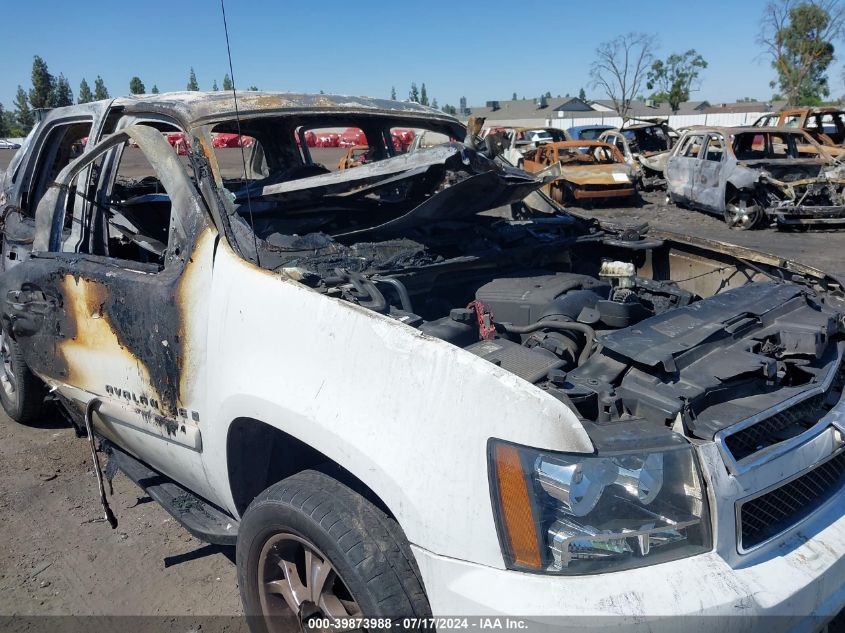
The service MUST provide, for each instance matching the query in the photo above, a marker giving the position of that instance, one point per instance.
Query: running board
(200, 518)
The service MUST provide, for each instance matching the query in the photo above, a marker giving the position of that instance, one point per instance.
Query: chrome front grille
(774, 511)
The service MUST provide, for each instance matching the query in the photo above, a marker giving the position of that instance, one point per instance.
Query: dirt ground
(59, 558)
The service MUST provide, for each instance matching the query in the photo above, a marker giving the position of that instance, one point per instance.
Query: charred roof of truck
(197, 108)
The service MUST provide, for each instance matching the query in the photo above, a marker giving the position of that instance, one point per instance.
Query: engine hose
(94, 404)
(588, 332)
(367, 288)
(401, 291)
(363, 287)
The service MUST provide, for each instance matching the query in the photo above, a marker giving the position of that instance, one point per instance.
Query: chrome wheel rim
(295, 577)
(8, 380)
(741, 215)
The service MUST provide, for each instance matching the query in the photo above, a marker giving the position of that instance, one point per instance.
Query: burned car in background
(646, 148)
(825, 125)
(355, 156)
(751, 176)
(590, 171)
(276, 352)
(518, 140)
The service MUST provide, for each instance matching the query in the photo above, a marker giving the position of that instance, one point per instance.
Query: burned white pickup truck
(419, 386)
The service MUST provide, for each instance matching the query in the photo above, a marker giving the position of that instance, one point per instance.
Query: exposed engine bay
(540, 301)
(812, 190)
(616, 347)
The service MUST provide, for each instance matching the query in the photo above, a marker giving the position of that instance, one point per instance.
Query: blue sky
(481, 50)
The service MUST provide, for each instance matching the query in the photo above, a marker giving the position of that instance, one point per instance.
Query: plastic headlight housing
(583, 514)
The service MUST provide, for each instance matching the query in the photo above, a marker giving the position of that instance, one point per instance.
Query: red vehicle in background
(179, 142)
(402, 138)
(352, 137)
(228, 139)
(327, 139)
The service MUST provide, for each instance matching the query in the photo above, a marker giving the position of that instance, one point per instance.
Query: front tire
(310, 547)
(21, 392)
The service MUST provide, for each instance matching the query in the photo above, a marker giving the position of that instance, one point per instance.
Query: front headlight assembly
(583, 514)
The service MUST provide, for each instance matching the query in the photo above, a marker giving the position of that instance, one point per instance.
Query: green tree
(548, 95)
(4, 123)
(23, 113)
(434, 103)
(582, 95)
(192, 81)
(450, 109)
(100, 90)
(393, 92)
(154, 90)
(136, 86)
(254, 88)
(227, 83)
(423, 95)
(513, 98)
(11, 124)
(675, 77)
(43, 85)
(214, 87)
(414, 93)
(62, 95)
(85, 95)
(798, 37)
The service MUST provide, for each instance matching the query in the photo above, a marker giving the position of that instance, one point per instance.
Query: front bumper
(798, 585)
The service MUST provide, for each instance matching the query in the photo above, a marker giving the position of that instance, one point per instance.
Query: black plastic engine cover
(522, 300)
(717, 361)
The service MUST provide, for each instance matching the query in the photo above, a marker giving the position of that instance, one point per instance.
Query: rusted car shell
(354, 157)
(585, 181)
(800, 118)
(647, 167)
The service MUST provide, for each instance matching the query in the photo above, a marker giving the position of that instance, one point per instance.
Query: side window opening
(715, 148)
(63, 144)
(135, 211)
(692, 146)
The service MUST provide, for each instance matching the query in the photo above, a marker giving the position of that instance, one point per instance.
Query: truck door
(113, 302)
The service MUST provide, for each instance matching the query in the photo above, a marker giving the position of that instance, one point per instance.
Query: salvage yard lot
(58, 559)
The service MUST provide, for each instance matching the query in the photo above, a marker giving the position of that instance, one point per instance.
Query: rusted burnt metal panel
(197, 108)
(127, 332)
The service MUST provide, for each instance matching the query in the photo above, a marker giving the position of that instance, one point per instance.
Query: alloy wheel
(8, 380)
(295, 577)
(742, 214)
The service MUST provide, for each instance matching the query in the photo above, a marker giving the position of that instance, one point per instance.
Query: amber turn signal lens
(515, 504)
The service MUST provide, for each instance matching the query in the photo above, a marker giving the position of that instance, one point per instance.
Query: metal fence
(726, 119)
